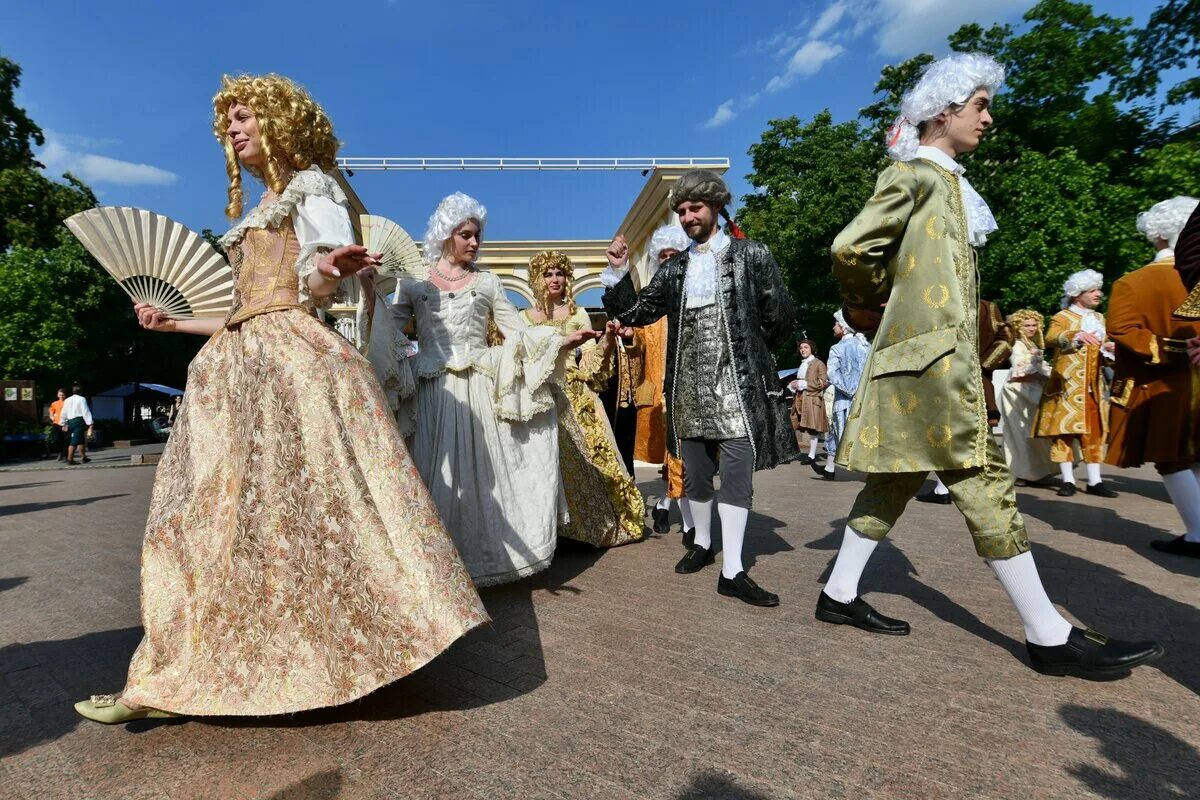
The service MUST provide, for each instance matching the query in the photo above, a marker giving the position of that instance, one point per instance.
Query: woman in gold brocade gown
(293, 558)
(604, 503)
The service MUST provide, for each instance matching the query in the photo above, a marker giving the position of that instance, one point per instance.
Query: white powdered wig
(945, 83)
(451, 213)
(1166, 219)
(668, 237)
(1083, 281)
(840, 319)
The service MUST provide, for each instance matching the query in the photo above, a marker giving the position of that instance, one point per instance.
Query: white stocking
(685, 510)
(733, 533)
(1184, 490)
(702, 516)
(1019, 577)
(851, 561)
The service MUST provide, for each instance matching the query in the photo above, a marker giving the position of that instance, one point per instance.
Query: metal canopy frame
(484, 164)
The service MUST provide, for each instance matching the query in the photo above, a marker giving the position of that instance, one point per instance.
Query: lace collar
(311, 181)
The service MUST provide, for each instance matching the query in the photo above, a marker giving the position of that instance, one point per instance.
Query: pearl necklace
(466, 271)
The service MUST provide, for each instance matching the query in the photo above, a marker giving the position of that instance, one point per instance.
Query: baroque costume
(604, 505)
(293, 558)
(724, 300)
(920, 407)
(1028, 457)
(1156, 389)
(847, 359)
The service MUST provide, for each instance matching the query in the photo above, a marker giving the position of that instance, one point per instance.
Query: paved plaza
(609, 676)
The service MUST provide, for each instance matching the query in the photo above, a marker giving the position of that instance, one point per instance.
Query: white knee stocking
(1183, 487)
(1019, 577)
(1068, 471)
(733, 533)
(1093, 473)
(812, 446)
(685, 510)
(851, 561)
(702, 516)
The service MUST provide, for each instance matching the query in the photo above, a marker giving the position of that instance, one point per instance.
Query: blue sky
(124, 93)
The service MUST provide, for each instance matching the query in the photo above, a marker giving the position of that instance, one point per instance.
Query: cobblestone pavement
(609, 676)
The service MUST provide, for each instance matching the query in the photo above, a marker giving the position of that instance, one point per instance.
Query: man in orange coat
(1155, 412)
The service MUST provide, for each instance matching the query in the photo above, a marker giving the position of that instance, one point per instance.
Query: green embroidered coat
(920, 405)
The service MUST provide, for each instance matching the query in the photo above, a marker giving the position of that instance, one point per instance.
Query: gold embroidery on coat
(939, 435)
(904, 402)
(936, 302)
(869, 437)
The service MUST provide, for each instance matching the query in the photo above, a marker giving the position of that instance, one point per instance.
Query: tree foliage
(62, 318)
(1076, 151)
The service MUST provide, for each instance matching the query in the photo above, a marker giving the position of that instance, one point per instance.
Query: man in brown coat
(1155, 411)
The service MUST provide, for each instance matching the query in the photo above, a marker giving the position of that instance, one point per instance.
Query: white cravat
(1164, 254)
(980, 221)
(700, 286)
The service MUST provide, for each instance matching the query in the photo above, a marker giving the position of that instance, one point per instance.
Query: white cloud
(908, 27)
(830, 17)
(806, 61)
(722, 115)
(65, 152)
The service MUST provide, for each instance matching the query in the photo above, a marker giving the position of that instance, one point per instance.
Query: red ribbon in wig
(733, 227)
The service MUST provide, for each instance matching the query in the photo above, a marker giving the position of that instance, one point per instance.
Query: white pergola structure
(510, 258)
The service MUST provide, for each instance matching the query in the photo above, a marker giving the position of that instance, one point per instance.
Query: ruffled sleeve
(525, 364)
(321, 225)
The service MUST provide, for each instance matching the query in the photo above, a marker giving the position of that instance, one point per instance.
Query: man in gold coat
(1073, 410)
(907, 269)
(1156, 390)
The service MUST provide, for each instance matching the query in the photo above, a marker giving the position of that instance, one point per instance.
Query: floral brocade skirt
(293, 558)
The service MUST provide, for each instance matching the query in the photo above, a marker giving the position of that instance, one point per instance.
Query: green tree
(1170, 40)
(17, 130)
(809, 179)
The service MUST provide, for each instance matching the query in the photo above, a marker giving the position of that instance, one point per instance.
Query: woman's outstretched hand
(153, 318)
(573, 340)
(346, 261)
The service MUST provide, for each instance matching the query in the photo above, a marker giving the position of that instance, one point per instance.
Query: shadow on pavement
(26, 508)
(1148, 761)
(715, 786)
(1128, 611)
(27, 485)
(323, 785)
(1099, 520)
(891, 572)
(12, 583)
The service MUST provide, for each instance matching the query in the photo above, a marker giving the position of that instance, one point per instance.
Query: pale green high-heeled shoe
(108, 709)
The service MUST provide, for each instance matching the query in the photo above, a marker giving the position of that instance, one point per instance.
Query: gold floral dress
(293, 558)
(604, 504)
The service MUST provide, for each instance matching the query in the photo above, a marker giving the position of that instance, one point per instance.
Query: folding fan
(157, 260)
(400, 253)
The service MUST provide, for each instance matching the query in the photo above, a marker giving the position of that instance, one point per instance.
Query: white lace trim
(311, 181)
(700, 285)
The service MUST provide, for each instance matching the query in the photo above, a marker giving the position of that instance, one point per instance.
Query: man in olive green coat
(907, 269)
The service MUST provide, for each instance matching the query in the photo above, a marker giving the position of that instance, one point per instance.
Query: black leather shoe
(935, 498)
(859, 614)
(659, 515)
(1100, 490)
(746, 590)
(1067, 490)
(1179, 546)
(1091, 653)
(697, 558)
(689, 537)
(817, 468)
(805, 460)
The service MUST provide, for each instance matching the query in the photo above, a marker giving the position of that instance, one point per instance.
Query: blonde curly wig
(1017, 317)
(538, 266)
(296, 133)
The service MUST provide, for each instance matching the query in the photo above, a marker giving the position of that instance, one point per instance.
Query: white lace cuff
(611, 275)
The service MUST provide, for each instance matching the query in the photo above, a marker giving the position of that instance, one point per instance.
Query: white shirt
(700, 286)
(980, 221)
(1092, 323)
(1164, 254)
(75, 406)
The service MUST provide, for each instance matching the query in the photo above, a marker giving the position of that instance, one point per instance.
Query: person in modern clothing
(77, 419)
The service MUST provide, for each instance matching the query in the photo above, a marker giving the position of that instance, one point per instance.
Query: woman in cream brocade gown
(293, 558)
(482, 418)
(604, 504)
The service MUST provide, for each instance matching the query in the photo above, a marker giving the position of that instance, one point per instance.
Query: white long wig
(1165, 220)
(945, 83)
(452, 212)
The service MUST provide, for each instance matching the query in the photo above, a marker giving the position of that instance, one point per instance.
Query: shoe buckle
(1098, 638)
(104, 700)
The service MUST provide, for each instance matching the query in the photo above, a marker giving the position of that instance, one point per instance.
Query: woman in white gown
(1028, 457)
(482, 419)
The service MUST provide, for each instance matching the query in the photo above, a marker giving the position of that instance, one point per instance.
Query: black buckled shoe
(1179, 546)
(935, 498)
(659, 515)
(1100, 490)
(1067, 490)
(689, 538)
(746, 590)
(859, 614)
(821, 471)
(1089, 653)
(696, 559)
